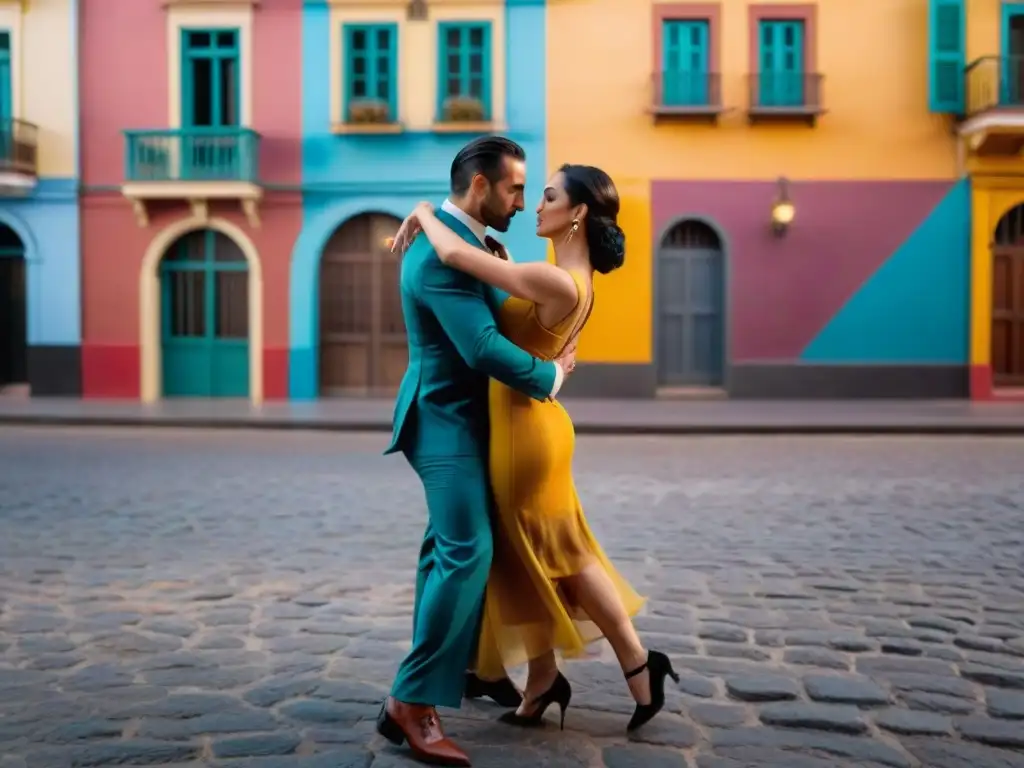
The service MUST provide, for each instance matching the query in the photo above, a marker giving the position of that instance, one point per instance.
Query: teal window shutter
(7, 127)
(371, 67)
(781, 63)
(464, 64)
(6, 94)
(947, 42)
(685, 61)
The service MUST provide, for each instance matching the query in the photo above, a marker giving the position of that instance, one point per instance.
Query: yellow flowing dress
(541, 534)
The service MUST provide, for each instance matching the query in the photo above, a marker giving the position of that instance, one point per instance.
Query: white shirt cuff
(559, 378)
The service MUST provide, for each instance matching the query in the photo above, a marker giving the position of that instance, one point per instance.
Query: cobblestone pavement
(237, 599)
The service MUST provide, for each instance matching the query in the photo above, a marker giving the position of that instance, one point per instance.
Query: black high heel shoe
(559, 693)
(660, 667)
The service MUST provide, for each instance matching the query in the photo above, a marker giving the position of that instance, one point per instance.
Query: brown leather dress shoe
(420, 726)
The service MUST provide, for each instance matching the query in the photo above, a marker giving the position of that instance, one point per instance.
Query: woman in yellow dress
(551, 587)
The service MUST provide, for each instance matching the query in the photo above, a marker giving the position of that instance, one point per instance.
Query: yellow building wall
(43, 77)
(991, 198)
(997, 186)
(619, 329)
(417, 54)
(984, 23)
(600, 61)
(876, 96)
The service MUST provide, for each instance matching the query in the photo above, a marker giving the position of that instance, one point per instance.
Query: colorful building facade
(987, 39)
(40, 314)
(802, 220)
(249, 194)
(191, 197)
(391, 91)
(725, 112)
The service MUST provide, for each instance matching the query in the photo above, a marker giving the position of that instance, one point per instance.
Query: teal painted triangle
(915, 307)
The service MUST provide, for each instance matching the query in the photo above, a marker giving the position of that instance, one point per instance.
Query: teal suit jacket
(454, 347)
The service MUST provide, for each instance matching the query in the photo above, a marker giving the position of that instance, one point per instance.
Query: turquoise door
(782, 64)
(210, 106)
(685, 63)
(205, 317)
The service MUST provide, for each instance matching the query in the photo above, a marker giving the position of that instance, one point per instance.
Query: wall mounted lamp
(783, 210)
(416, 10)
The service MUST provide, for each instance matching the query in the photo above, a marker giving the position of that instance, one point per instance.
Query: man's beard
(495, 220)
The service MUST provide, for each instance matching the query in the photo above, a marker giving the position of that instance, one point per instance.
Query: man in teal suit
(441, 425)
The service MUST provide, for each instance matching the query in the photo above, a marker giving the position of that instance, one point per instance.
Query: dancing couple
(509, 572)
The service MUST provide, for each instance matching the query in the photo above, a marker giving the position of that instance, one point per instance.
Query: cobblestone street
(187, 598)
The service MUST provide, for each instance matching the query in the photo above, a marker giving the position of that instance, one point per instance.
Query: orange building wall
(601, 61)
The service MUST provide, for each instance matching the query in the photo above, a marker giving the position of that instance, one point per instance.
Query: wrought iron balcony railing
(786, 93)
(687, 92)
(18, 146)
(192, 154)
(994, 82)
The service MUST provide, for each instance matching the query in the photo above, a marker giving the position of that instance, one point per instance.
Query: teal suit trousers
(455, 559)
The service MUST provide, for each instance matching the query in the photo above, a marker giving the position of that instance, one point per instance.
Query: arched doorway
(13, 310)
(362, 332)
(1008, 301)
(204, 300)
(690, 307)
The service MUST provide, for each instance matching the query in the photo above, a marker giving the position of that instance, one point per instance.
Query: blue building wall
(915, 307)
(344, 176)
(47, 222)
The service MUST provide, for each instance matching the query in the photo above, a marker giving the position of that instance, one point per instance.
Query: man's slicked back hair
(485, 156)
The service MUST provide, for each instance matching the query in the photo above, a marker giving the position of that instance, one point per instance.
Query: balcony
(465, 114)
(198, 165)
(686, 96)
(18, 157)
(786, 96)
(994, 105)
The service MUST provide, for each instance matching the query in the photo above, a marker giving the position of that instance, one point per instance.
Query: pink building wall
(124, 85)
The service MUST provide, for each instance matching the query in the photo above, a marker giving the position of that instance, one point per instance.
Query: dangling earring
(575, 226)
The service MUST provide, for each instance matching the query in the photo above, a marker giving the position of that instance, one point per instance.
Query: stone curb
(938, 429)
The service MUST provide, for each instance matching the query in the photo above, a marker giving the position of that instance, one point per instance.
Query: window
(6, 96)
(371, 72)
(782, 63)
(1012, 90)
(464, 53)
(11, 148)
(209, 83)
(685, 62)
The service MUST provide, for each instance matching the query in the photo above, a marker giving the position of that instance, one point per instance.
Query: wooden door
(690, 295)
(13, 306)
(362, 332)
(1008, 301)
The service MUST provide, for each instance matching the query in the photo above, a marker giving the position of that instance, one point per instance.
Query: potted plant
(372, 111)
(463, 109)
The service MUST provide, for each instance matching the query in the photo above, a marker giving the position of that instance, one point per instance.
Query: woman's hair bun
(607, 244)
